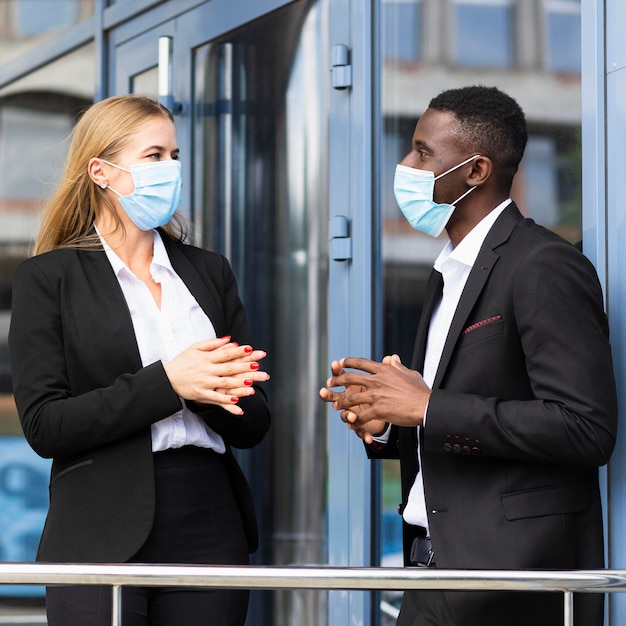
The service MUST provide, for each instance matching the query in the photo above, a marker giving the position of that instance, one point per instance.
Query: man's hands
(216, 371)
(376, 395)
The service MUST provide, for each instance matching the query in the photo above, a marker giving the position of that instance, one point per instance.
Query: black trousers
(499, 608)
(196, 521)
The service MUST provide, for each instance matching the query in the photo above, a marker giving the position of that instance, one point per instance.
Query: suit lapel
(113, 306)
(476, 281)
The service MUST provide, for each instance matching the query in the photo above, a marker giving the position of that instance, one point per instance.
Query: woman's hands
(216, 371)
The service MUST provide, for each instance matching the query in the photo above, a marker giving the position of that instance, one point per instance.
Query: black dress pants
(196, 521)
(498, 608)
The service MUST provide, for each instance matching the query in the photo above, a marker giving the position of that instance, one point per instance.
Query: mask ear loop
(105, 186)
(467, 193)
(119, 167)
(456, 167)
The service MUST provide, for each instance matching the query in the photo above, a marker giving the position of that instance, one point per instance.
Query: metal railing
(273, 577)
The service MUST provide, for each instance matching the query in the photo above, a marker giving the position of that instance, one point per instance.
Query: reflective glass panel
(402, 20)
(260, 194)
(37, 113)
(146, 83)
(469, 42)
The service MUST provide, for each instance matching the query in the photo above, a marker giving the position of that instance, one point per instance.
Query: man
(510, 405)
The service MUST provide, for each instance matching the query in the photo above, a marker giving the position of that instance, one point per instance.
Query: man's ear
(96, 172)
(481, 170)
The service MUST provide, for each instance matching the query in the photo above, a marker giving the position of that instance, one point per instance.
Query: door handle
(165, 91)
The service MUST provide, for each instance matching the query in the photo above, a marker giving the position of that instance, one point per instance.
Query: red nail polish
(247, 382)
(254, 366)
(248, 349)
(225, 337)
(234, 399)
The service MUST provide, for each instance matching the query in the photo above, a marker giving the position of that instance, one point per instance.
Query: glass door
(260, 198)
(251, 89)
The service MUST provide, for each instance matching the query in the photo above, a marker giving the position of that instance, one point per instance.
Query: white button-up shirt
(162, 334)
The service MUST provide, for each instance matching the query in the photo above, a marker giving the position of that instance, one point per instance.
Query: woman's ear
(481, 170)
(96, 172)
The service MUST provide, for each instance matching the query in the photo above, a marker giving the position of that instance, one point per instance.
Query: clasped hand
(375, 395)
(216, 371)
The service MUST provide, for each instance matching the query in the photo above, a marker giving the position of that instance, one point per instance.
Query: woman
(132, 370)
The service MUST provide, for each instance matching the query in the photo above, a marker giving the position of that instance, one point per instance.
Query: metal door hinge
(342, 70)
(339, 237)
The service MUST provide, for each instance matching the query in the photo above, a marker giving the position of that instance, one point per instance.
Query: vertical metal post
(116, 606)
(165, 72)
(164, 75)
(225, 116)
(568, 608)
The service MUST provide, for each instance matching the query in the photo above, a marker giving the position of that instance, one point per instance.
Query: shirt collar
(159, 254)
(468, 248)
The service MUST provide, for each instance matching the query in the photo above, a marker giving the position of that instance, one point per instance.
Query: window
(35, 17)
(562, 33)
(402, 25)
(26, 24)
(483, 33)
(551, 170)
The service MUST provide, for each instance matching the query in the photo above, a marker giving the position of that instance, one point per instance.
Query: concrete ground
(18, 611)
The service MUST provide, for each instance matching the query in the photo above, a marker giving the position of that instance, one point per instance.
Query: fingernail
(248, 349)
(254, 366)
(235, 343)
(225, 337)
(247, 382)
(234, 399)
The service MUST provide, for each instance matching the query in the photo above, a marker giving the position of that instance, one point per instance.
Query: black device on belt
(422, 554)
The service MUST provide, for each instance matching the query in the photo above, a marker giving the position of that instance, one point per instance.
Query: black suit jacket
(85, 400)
(522, 413)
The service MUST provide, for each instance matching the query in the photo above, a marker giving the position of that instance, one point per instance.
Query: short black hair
(491, 123)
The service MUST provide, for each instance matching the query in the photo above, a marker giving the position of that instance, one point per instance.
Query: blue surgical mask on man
(414, 189)
(157, 194)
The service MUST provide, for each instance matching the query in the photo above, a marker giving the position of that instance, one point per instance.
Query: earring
(103, 185)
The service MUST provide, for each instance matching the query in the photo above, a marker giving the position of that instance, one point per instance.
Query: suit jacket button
(475, 450)
(466, 450)
(447, 447)
(456, 448)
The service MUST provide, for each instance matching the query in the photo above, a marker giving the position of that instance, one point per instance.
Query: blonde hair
(101, 132)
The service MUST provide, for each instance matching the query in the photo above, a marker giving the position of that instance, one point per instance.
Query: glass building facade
(291, 117)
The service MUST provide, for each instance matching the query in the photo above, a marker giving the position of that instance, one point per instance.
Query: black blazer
(86, 401)
(522, 413)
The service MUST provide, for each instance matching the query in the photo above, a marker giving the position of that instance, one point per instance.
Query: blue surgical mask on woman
(414, 189)
(157, 194)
